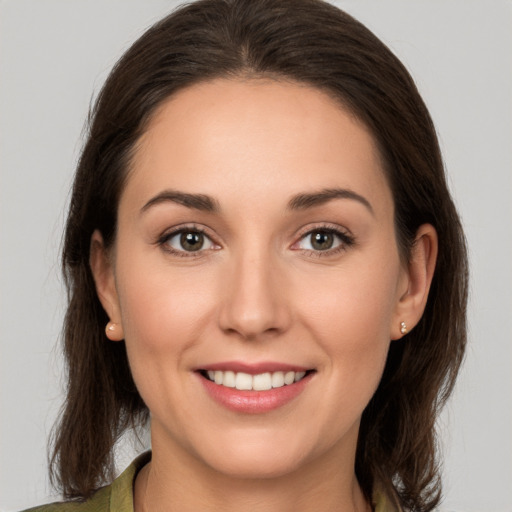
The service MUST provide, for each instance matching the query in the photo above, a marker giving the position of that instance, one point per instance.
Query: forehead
(261, 136)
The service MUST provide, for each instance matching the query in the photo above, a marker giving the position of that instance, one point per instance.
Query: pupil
(192, 241)
(322, 240)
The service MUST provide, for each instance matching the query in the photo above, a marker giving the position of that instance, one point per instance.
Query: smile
(254, 388)
(260, 382)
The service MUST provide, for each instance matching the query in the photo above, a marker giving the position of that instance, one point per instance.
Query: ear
(415, 285)
(103, 273)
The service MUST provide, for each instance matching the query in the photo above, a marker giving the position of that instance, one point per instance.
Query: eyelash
(346, 240)
(163, 241)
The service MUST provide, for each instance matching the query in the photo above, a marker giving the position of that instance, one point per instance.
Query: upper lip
(253, 368)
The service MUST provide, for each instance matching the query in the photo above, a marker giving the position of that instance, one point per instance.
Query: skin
(259, 291)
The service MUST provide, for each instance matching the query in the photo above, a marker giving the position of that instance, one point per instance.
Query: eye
(320, 241)
(325, 240)
(189, 240)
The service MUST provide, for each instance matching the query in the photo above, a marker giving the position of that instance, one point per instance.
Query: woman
(263, 258)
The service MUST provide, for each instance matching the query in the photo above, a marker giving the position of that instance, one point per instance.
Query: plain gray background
(55, 53)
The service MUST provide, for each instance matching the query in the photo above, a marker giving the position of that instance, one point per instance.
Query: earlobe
(420, 271)
(103, 274)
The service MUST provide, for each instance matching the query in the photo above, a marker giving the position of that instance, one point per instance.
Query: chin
(256, 468)
(256, 457)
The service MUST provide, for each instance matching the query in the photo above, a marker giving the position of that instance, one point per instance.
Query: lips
(254, 388)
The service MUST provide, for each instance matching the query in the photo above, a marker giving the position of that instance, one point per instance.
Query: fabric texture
(118, 497)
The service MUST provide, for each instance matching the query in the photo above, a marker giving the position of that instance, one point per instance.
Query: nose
(254, 304)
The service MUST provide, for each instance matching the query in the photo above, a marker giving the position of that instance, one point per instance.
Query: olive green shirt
(118, 496)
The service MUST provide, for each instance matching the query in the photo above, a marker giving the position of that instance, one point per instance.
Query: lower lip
(254, 402)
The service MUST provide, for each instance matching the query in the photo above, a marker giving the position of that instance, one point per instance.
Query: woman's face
(256, 239)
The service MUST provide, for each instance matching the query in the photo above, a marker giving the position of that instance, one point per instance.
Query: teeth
(289, 378)
(298, 376)
(260, 382)
(243, 381)
(277, 379)
(229, 379)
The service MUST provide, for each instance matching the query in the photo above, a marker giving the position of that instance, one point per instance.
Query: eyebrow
(200, 202)
(304, 201)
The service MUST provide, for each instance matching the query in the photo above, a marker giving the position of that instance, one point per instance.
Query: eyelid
(343, 234)
(345, 237)
(167, 235)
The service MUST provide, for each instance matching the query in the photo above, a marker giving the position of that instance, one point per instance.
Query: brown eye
(324, 241)
(187, 241)
(192, 241)
(321, 240)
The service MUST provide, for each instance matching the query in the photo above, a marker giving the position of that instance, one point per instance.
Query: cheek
(163, 310)
(164, 314)
(355, 305)
(350, 316)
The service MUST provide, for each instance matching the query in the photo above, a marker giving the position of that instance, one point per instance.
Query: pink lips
(253, 402)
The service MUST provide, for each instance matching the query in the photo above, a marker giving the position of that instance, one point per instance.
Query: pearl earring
(403, 328)
(110, 329)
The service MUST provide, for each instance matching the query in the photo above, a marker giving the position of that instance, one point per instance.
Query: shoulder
(99, 502)
(383, 502)
(116, 497)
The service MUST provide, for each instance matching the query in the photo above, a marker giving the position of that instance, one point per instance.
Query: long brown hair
(307, 41)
